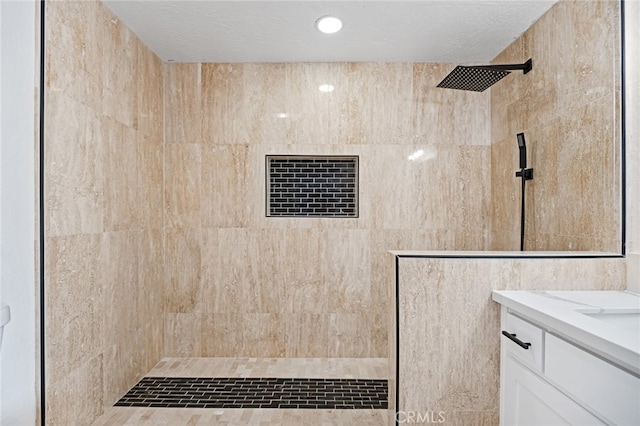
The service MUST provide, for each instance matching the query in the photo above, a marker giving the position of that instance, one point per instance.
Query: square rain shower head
(476, 79)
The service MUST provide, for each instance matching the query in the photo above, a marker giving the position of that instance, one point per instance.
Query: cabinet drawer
(610, 392)
(527, 333)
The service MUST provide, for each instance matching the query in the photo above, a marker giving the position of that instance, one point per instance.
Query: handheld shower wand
(525, 174)
(522, 146)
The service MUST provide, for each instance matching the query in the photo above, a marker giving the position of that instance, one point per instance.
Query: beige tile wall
(568, 107)
(449, 327)
(241, 284)
(103, 212)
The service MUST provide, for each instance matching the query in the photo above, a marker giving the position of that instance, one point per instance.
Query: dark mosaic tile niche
(178, 392)
(316, 186)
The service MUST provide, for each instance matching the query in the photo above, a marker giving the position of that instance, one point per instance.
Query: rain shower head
(481, 77)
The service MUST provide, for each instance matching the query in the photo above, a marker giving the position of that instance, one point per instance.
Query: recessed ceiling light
(329, 24)
(282, 115)
(326, 88)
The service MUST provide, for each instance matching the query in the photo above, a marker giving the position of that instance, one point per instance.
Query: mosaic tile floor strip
(181, 392)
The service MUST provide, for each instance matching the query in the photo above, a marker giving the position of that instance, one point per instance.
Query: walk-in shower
(478, 78)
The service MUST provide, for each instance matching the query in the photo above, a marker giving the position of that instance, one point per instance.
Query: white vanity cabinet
(546, 380)
(526, 398)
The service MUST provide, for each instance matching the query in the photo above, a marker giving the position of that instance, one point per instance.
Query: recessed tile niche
(312, 186)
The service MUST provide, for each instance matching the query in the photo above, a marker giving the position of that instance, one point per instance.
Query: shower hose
(522, 211)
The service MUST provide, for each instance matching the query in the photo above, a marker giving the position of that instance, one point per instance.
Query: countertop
(567, 314)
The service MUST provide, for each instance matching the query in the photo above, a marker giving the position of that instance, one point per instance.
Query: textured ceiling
(459, 31)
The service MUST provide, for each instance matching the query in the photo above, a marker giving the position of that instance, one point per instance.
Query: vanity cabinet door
(611, 393)
(529, 400)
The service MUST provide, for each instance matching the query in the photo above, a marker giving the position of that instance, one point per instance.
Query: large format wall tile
(119, 101)
(183, 270)
(150, 182)
(151, 273)
(75, 300)
(77, 399)
(186, 333)
(182, 103)
(73, 58)
(348, 284)
(379, 103)
(264, 335)
(308, 122)
(150, 94)
(224, 198)
(74, 158)
(183, 163)
(120, 295)
(222, 334)
(120, 179)
(299, 342)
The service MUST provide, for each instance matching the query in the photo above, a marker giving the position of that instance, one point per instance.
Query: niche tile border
(312, 186)
(279, 393)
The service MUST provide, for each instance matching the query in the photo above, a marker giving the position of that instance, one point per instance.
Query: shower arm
(525, 68)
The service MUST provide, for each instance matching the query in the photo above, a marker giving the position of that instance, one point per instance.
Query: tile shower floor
(360, 382)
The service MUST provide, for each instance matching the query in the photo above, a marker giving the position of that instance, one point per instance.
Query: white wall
(18, 359)
(632, 68)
